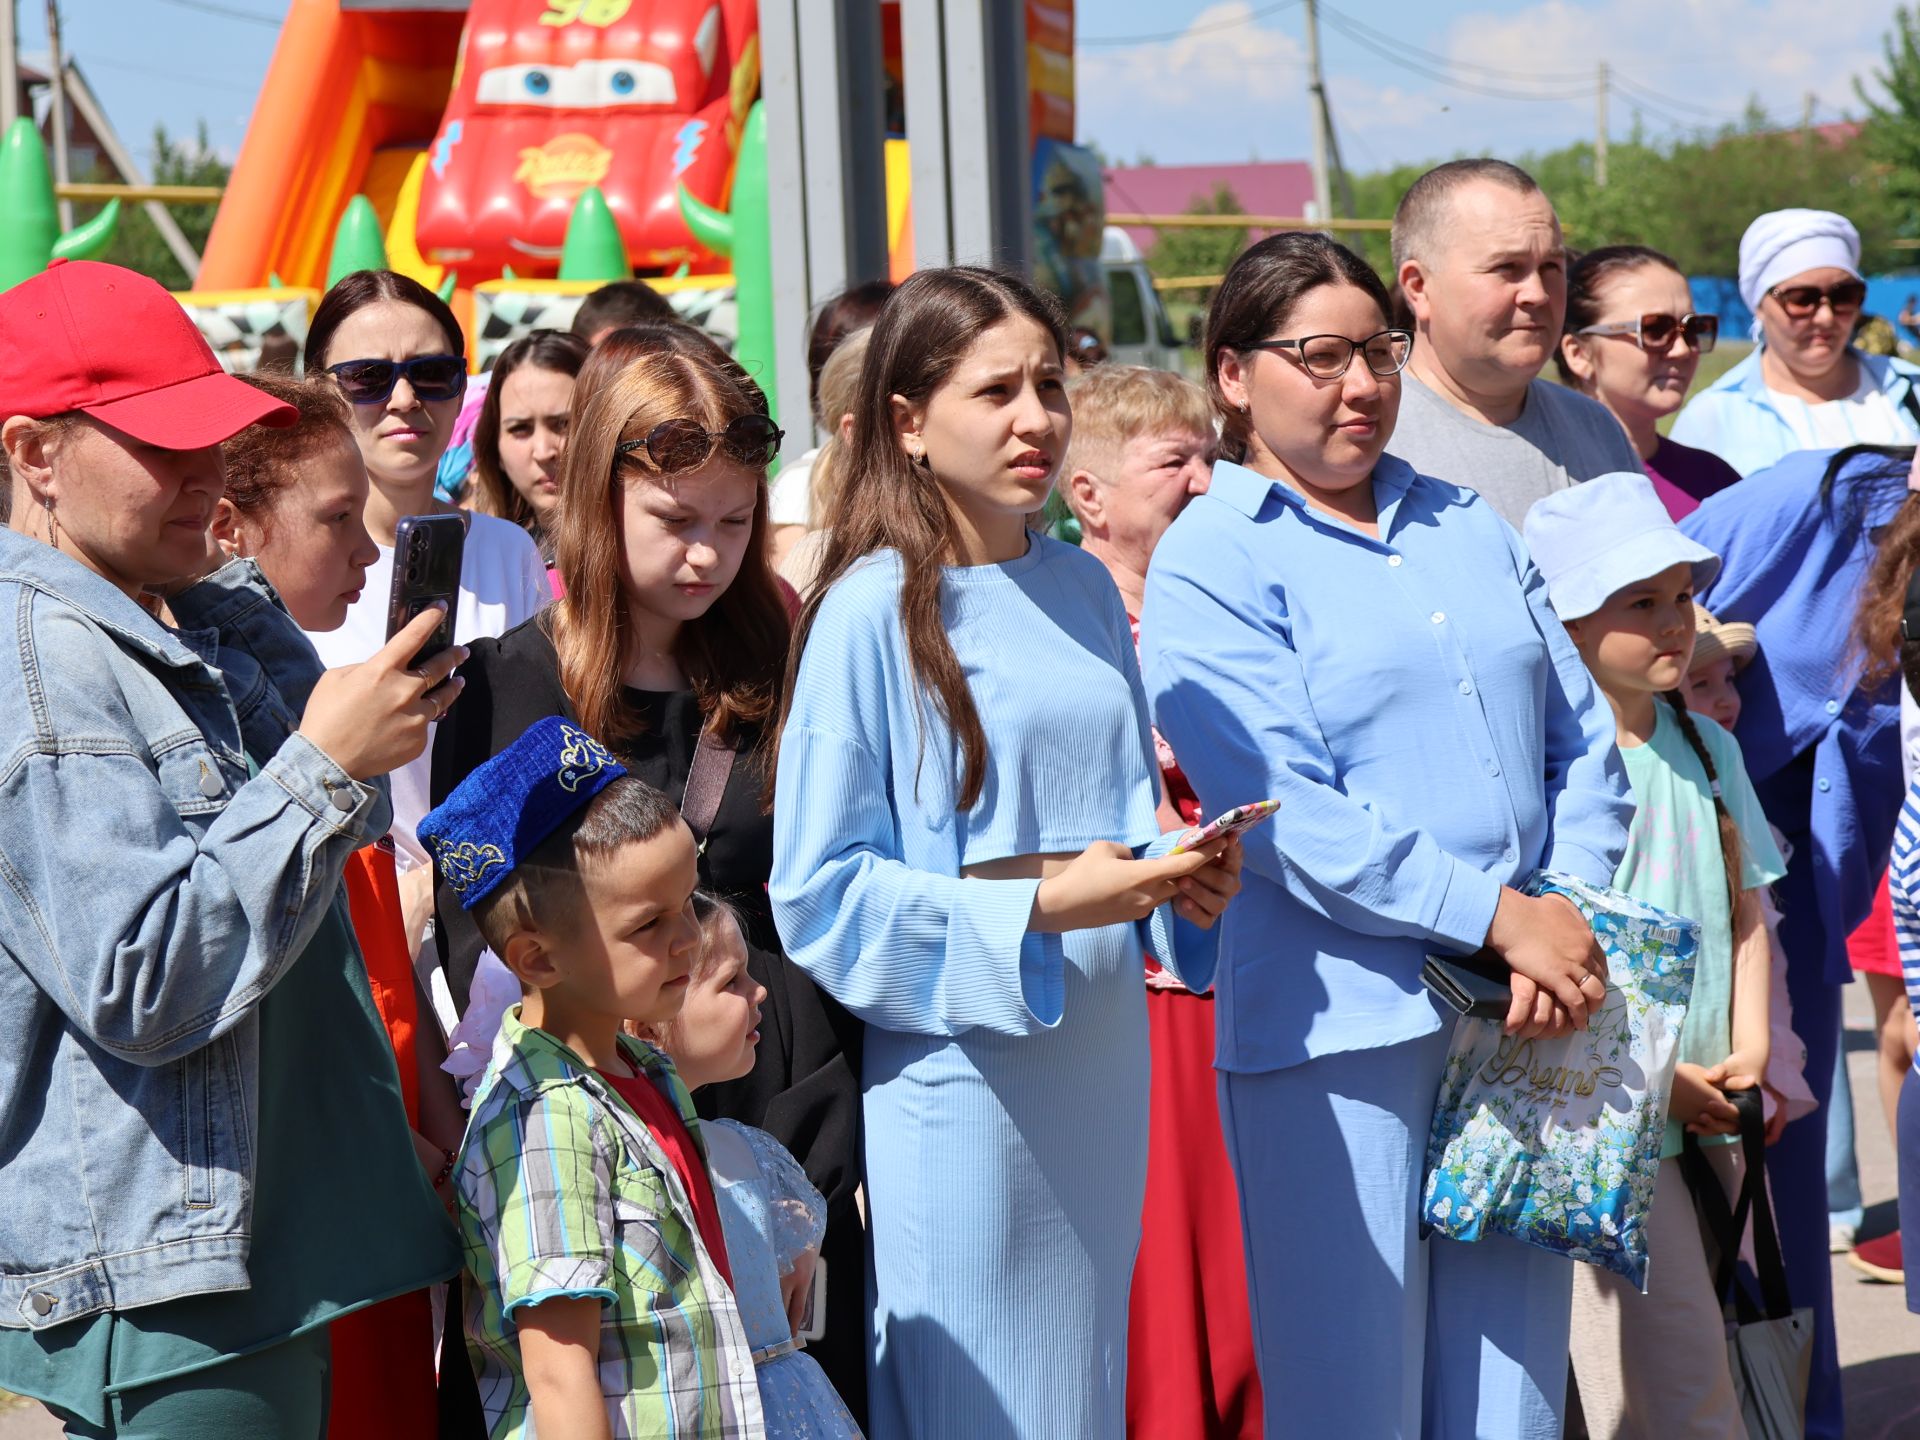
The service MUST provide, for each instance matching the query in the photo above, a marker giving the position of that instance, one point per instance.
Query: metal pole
(9, 64)
(1600, 128)
(1317, 106)
(57, 117)
(95, 118)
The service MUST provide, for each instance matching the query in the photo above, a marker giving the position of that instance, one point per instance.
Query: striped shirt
(1905, 884)
(564, 1192)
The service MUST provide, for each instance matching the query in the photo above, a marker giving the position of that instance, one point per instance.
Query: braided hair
(1730, 850)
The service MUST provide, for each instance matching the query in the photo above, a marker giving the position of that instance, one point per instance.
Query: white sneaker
(1839, 1238)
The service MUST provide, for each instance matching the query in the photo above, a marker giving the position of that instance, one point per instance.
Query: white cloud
(1221, 94)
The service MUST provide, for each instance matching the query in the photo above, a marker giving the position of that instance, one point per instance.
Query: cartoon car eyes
(584, 85)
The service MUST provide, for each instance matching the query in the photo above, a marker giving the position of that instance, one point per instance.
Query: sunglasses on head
(1800, 301)
(1655, 333)
(676, 446)
(430, 377)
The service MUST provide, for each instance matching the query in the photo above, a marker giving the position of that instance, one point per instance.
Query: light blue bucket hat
(1596, 539)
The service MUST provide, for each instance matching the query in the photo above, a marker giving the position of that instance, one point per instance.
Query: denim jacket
(150, 895)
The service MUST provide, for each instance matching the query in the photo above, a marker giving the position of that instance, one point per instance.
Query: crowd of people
(761, 978)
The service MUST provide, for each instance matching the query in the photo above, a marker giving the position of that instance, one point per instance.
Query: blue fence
(1716, 295)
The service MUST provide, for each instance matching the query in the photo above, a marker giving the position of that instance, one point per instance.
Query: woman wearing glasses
(1633, 342)
(670, 646)
(396, 352)
(1372, 647)
(1805, 387)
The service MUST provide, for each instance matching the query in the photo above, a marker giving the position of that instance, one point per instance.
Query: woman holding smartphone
(1371, 647)
(207, 1154)
(946, 868)
(396, 353)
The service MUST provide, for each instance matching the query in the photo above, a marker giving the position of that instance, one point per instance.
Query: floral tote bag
(1557, 1142)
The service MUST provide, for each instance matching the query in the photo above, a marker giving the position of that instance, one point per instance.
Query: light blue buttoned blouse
(1417, 708)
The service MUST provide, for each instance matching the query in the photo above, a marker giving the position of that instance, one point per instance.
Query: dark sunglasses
(676, 446)
(1800, 301)
(430, 377)
(1655, 332)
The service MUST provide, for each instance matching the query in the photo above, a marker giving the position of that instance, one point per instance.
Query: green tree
(1892, 131)
(1209, 251)
(138, 245)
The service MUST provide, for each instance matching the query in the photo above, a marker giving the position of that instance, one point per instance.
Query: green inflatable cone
(593, 249)
(745, 236)
(357, 242)
(30, 235)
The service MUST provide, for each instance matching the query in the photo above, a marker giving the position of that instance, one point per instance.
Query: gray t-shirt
(1560, 439)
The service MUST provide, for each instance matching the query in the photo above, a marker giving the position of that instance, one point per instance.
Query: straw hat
(1718, 640)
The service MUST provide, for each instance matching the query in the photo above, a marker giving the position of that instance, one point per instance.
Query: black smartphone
(426, 570)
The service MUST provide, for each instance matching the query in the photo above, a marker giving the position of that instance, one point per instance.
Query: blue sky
(1202, 80)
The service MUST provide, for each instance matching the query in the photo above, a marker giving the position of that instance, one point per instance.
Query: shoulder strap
(706, 783)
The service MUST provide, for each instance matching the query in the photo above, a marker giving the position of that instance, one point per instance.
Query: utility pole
(9, 64)
(57, 117)
(1600, 127)
(1317, 106)
(1808, 105)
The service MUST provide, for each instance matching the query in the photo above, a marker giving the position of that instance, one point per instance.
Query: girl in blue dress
(773, 1218)
(966, 857)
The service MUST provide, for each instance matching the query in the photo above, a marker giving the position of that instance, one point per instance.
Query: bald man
(1481, 266)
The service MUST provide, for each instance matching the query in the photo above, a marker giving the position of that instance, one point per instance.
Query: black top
(804, 1089)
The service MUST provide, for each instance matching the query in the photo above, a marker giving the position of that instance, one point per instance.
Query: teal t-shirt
(1673, 861)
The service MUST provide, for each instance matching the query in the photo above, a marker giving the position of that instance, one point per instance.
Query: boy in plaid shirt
(598, 1297)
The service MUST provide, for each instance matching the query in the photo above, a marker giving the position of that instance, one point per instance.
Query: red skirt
(383, 1372)
(1190, 1360)
(1872, 949)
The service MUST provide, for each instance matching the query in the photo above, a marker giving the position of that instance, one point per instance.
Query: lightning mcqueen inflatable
(552, 96)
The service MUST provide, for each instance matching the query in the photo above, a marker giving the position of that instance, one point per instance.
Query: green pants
(280, 1393)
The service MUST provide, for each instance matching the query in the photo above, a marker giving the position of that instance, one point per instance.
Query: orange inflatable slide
(351, 98)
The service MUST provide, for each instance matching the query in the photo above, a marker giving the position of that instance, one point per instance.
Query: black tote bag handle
(1726, 1225)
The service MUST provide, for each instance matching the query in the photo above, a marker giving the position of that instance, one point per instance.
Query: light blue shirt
(868, 840)
(1418, 710)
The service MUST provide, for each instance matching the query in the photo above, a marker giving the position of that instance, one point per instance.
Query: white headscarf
(1785, 243)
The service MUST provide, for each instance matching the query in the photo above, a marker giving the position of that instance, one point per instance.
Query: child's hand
(1698, 1104)
(1777, 1121)
(795, 1288)
(1742, 1070)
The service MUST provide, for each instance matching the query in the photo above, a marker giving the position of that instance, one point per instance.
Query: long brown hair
(493, 492)
(734, 655)
(887, 502)
(1883, 599)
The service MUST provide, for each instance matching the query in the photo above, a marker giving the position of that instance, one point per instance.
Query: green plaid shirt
(565, 1192)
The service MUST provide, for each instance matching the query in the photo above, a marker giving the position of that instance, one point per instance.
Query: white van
(1142, 333)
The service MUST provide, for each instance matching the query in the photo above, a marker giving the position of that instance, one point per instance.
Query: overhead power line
(226, 12)
(1453, 63)
(1442, 72)
(1168, 36)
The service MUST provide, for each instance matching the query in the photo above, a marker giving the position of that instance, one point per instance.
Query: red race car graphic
(552, 96)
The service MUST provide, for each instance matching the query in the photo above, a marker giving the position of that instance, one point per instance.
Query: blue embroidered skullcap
(499, 814)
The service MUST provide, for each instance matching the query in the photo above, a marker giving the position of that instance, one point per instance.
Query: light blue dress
(771, 1213)
(1005, 1073)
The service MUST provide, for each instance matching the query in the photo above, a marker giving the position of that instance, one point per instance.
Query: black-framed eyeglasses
(676, 446)
(1326, 357)
(1655, 333)
(431, 377)
(1800, 301)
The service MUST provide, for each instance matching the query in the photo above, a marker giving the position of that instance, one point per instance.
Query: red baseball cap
(113, 344)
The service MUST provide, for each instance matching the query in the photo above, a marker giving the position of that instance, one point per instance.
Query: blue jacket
(1417, 708)
(150, 895)
(1824, 754)
(1735, 418)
